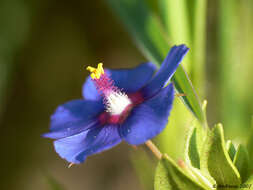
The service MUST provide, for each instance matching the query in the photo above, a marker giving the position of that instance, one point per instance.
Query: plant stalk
(154, 149)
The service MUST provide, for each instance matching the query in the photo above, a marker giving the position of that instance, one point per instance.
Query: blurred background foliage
(45, 47)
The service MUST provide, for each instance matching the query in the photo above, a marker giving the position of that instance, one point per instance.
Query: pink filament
(104, 84)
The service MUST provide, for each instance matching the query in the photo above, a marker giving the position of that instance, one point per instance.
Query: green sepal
(192, 153)
(215, 159)
(231, 149)
(242, 163)
(170, 176)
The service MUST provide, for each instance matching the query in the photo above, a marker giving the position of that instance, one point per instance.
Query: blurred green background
(45, 47)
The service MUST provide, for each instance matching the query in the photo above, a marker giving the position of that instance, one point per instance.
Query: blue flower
(125, 104)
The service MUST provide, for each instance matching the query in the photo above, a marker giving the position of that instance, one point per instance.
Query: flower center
(115, 100)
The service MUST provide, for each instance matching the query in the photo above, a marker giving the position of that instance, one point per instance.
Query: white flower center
(116, 102)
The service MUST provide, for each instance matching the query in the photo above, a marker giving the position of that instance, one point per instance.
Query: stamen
(96, 72)
(115, 100)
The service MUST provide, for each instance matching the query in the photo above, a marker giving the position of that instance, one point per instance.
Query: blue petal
(76, 148)
(130, 80)
(166, 71)
(149, 118)
(74, 117)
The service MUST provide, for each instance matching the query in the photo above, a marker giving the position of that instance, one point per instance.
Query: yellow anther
(96, 72)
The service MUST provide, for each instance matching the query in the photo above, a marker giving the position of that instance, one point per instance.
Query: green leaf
(231, 149)
(199, 44)
(242, 163)
(215, 159)
(194, 143)
(195, 139)
(184, 85)
(170, 176)
(144, 28)
(163, 179)
(192, 154)
(150, 37)
(175, 19)
(203, 178)
(235, 93)
(190, 29)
